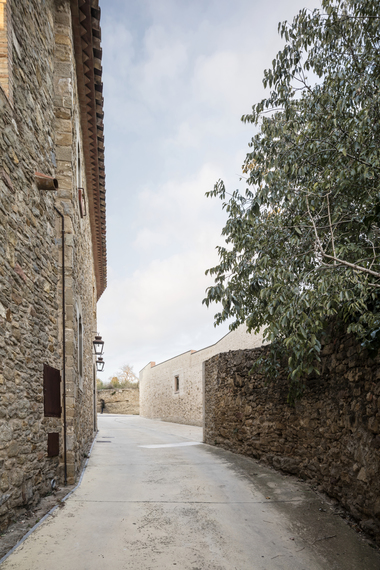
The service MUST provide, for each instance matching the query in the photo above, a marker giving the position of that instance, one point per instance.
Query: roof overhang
(88, 54)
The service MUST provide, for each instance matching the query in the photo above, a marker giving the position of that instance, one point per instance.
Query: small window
(6, 49)
(80, 347)
(176, 384)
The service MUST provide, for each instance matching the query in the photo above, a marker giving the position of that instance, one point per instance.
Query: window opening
(53, 444)
(176, 383)
(81, 193)
(80, 347)
(79, 181)
(82, 203)
(52, 392)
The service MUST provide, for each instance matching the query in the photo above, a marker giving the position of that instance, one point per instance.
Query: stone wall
(6, 56)
(79, 261)
(39, 131)
(159, 398)
(119, 401)
(29, 266)
(331, 436)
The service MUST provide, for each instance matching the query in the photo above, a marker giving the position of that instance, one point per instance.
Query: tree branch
(352, 265)
(331, 228)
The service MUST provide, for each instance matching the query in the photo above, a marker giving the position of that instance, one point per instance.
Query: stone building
(51, 173)
(173, 390)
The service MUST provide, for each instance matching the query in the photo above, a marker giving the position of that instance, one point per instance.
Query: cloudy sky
(178, 75)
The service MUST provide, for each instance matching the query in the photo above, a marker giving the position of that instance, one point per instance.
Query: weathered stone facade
(6, 56)
(331, 436)
(159, 396)
(119, 401)
(42, 129)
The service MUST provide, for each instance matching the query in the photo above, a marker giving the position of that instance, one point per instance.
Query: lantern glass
(100, 364)
(98, 345)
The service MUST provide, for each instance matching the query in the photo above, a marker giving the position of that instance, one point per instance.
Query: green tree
(302, 241)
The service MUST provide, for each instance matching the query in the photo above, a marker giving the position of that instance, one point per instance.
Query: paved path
(146, 502)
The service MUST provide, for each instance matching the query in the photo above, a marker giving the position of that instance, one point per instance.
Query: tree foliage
(302, 241)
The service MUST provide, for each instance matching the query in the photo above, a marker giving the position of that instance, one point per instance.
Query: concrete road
(154, 498)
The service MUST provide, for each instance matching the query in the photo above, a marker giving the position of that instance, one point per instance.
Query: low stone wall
(331, 436)
(119, 401)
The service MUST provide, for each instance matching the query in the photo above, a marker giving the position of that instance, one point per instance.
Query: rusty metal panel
(53, 444)
(52, 392)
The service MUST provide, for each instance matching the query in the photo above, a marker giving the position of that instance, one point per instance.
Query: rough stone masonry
(47, 99)
(331, 436)
(119, 401)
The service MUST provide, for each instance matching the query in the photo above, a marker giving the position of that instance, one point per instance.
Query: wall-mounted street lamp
(98, 345)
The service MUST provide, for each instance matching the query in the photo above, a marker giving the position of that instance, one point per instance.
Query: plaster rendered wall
(38, 132)
(331, 436)
(119, 401)
(158, 399)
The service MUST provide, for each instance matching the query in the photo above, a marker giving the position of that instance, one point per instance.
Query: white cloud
(178, 75)
(159, 306)
(177, 213)
(157, 312)
(162, 68)
(227, 79)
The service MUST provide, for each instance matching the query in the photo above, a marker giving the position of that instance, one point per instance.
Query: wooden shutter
(53, 444)
(52, 392)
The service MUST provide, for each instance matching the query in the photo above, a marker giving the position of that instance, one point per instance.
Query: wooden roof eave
(86, 32)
